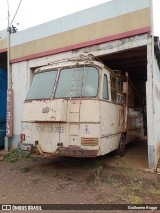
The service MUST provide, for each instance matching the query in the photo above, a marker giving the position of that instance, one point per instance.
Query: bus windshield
(42, 85)
(77, 82)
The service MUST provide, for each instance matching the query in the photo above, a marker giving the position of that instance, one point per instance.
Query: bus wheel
(122, 145)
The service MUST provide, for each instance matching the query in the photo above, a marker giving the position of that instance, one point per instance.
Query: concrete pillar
(150, 105)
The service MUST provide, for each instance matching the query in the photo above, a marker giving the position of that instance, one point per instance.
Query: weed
(109, 179)
(155, 191)
(25, 168)
(90, 163)
(17, 154)
(154, 183)
(92, 180)
(13, 156)
(125, 190)
(135, 200)
(25, 154)
(34, 159)
(131, 188)
(136, 187)
(99, 172)
(109, 200)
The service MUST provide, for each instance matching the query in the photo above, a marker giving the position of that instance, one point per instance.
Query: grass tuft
(16, 155)
(90, 163)
(135, 200)
(25, 168)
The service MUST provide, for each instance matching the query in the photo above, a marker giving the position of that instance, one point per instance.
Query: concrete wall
(21, 83)
(153, 105)
(156, 91)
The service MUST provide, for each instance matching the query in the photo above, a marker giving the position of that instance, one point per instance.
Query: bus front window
(42, 85)
(82, 82)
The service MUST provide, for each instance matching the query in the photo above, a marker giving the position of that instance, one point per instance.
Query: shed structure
(118, 32)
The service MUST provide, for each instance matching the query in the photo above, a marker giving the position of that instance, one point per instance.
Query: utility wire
(16, 11)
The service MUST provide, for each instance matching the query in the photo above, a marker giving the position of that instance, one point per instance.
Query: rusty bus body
(79, 107)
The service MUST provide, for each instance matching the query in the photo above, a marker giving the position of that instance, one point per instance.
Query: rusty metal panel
(75, 151)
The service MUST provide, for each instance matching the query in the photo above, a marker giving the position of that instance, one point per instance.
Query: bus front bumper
(70, 151)
(74, 151)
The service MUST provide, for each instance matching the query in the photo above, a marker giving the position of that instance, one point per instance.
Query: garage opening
(3, 97)
(134, 62)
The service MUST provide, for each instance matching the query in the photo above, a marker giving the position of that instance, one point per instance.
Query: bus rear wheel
(122, 145)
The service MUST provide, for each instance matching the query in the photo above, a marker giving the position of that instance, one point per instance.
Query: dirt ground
(62, 180)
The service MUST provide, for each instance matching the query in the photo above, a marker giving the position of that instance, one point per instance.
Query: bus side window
(113, 89)
(120, 86)
(105, 94)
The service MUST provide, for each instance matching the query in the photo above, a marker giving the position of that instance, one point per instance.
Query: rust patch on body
(75, 151)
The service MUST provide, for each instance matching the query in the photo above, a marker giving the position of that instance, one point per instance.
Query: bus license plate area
(49, 129)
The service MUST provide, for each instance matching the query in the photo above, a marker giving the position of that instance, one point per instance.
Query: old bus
(79, 107)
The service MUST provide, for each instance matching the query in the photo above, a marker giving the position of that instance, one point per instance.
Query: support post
(150, 105)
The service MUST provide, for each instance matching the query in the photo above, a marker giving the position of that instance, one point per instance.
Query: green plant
(109, 179)
(124, 189)
(90, 163)
(99, 172)
(17, 154)
(25, 168)
(109, 200)
(13, 156)
(135, 200)
(155, 191)
(136, 187)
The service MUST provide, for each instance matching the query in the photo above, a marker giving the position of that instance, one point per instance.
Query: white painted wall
(150, 105)
(21, 83)
(153, 105)
(156, 89)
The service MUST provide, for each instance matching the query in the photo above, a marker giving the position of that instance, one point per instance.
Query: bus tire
(122, 145)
